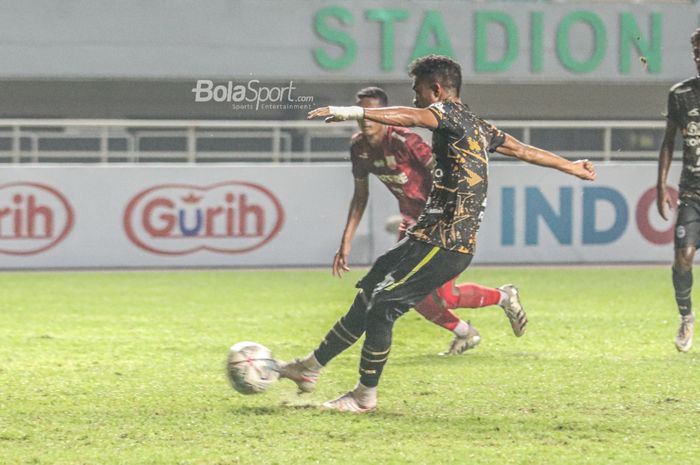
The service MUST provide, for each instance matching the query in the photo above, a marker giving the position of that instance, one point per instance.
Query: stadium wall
(273, 215)
(509, 41)
(521, 59)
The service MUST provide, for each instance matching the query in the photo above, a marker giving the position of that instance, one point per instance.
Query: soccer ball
(250, 367)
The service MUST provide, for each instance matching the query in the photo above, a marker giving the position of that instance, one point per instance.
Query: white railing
(193, 141)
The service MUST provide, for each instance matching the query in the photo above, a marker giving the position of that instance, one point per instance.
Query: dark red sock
(437, 313)
(476, 296)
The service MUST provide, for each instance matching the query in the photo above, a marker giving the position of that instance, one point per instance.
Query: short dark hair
(373, 92)
(695, 37)
(438, 68)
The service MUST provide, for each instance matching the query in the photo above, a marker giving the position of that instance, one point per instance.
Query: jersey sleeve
(418, 148)
(442, 110)
(494, 136)
(673, 113)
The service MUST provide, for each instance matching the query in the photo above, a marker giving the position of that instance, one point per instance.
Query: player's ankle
(310, 362)
(365, 396)
(503, 297)
(462, 329)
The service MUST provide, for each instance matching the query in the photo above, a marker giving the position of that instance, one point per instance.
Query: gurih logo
(33, 218)
(178, 219)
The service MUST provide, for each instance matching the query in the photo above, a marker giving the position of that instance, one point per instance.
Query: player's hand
(335, 114)
(584, 169)
(340, 262)
(323, 112)
(663, 199)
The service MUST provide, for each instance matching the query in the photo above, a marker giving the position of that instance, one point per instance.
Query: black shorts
(408, 272)
(687, 232)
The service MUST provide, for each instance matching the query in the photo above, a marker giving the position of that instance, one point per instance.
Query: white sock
(462, 328)
(504, 298)
(310, 363)
(365, 396)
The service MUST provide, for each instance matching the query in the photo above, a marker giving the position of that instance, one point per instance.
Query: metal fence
(143, 141)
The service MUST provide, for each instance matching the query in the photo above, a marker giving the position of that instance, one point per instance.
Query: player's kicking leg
(413, 276)
(306, 371)
(303, 371)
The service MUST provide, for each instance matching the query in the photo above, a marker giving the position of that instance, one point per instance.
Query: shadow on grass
(441, 360)
(287, 407)
(256, 410)
(316, 407)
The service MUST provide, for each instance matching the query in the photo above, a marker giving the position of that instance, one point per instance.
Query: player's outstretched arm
(512, 147)
(357, 209)
(393, 116)
(663, 197)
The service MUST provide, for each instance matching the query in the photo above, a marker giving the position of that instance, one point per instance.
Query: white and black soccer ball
(250, 367)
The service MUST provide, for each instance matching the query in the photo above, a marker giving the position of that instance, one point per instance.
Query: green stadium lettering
(578, 42)
(600, 41)
(432, 27)
(335, 36)
(536, 41)
(484, 19)
(649, 49)
(387, 19)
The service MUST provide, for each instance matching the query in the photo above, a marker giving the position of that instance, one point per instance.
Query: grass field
(127, 368)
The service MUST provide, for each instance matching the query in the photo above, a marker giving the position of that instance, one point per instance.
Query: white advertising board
(162, 216)
(536, 215)
(276, 215)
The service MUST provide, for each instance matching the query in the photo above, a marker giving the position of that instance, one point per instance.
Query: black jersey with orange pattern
(461, 146)
(684, 111)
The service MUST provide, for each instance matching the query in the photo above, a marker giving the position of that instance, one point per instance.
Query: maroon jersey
(402, 162)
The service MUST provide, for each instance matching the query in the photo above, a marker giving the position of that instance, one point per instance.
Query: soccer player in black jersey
(441, 244)
(403, 162)
(683, 115)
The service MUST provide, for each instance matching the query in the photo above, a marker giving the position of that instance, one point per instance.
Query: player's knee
(445, 297)
(684, 259)
(383, 309)
(376, 313)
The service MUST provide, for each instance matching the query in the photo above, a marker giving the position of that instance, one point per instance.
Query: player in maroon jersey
(402, 161)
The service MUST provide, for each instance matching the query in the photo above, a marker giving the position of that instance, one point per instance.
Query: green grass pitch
(128, 368)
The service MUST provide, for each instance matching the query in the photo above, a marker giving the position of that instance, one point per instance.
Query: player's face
(425, 93)
(369, 128)
(696, 54)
